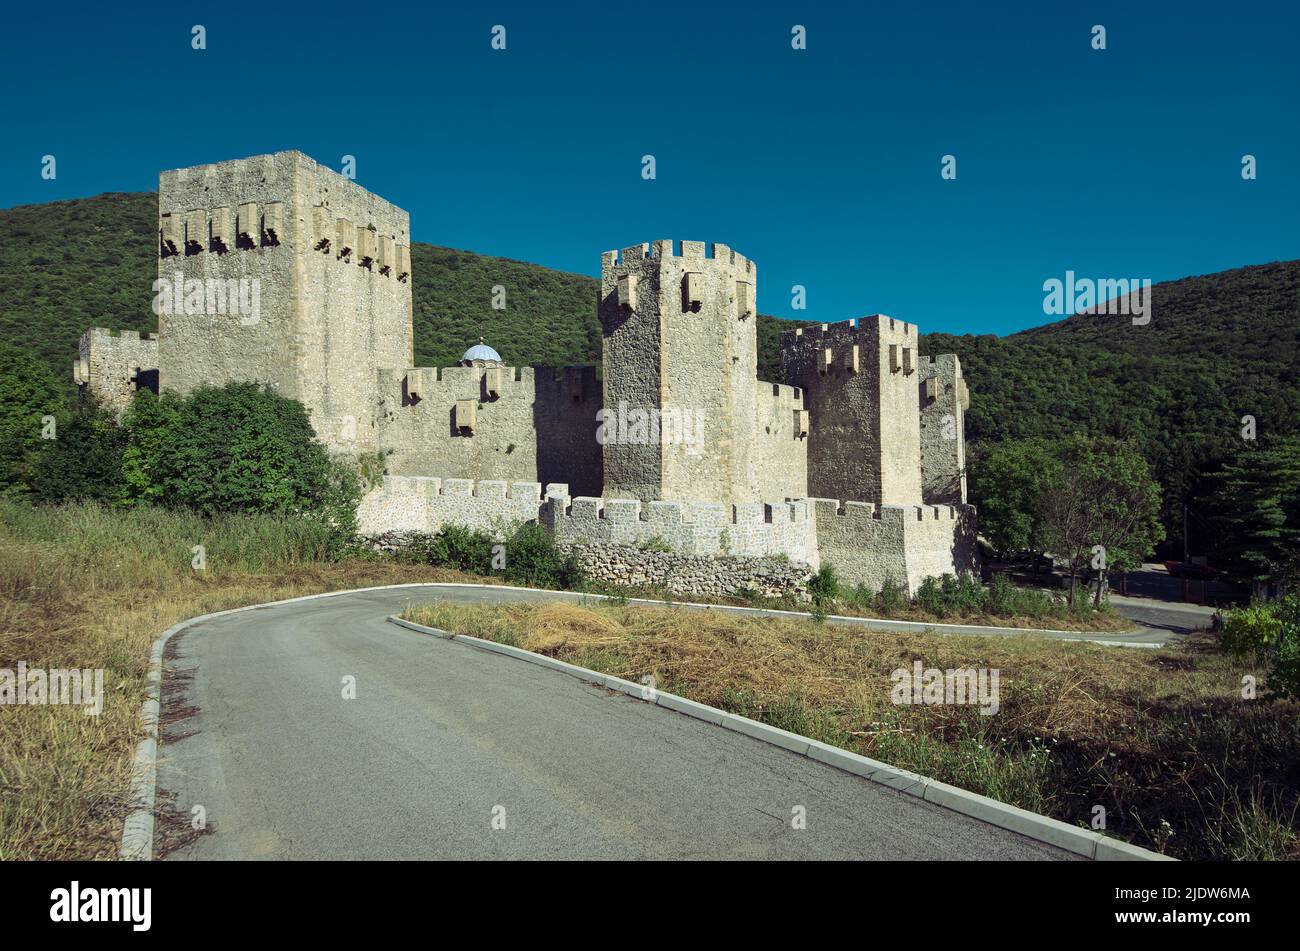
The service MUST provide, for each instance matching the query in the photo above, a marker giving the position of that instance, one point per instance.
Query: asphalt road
(443, 742)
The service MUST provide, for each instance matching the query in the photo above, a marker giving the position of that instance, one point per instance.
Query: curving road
(443, 739)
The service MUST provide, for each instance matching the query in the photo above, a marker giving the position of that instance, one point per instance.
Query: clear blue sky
(822, 165)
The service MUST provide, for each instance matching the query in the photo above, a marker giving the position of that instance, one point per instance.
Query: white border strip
(138, 829)
(1080, 841)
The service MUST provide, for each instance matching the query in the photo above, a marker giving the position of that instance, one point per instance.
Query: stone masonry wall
(629, 566)
(330, 264)
(752, 529)
(531, 424)
(898, 544)
(112, 367)
(422, 504)
(860, 379)
(679, 333)
(944, 400)
(780, 442)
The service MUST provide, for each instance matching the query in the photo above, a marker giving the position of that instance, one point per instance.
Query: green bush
(891, 598)
(530, 555)
(455, 546)
(84, 460)
(28, 393)
(860, 596)
(532, 558)
(930, 597)
(824, 586)
(1253, 631)
(1268, 630)
(234, 448)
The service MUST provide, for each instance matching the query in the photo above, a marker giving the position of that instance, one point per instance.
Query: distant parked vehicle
(1188, 569)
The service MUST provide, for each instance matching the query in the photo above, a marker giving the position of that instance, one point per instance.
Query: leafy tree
(1256, 511)
(84, 461)
(149, 423)
(28, 393)
(1006, 483)
(1103, 495)
(235, 448)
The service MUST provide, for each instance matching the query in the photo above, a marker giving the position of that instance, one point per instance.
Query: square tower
(277, 270)
(861, 381)
(944, 401)
(680, 356)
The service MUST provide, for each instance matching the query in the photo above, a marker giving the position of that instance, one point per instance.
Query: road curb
(138, 827)
(1082, 842)
(1104, 638)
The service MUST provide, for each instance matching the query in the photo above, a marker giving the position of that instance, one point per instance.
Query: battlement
(104, 334)
(686, 526)
(850, 511)
(781, 393)
(849, 347)
(496, 489)
(874, 324)
(671, 513)
(573, 384)
(686, 250)
(250, 225)
(113, 365)
(427, 503)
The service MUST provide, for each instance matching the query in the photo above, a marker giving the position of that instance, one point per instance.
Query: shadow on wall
(146, 380)
(965, 544)
(564, 418)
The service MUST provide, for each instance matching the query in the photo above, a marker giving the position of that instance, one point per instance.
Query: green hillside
(70, 265)
(1218, 347)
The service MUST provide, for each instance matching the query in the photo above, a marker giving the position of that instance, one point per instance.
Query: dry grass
(1150, 735)
(1083, 618)
(85, 588)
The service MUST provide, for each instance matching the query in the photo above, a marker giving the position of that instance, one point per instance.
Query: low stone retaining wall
(630, 566)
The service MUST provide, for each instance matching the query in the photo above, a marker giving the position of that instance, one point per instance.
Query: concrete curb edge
(1080, 841)
(138, 827)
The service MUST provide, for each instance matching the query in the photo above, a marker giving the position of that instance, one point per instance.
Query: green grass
(90, 587)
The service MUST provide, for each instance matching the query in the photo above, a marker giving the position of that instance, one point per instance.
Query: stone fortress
(675, 466)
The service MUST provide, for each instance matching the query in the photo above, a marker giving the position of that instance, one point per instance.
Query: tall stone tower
(679, 344)
(861, 383)
(944, 401)
(278, 270)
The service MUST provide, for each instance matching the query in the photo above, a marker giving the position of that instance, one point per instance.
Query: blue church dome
(480, 351)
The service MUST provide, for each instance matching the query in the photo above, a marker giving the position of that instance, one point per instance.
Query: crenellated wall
(481, 422)
(749, 529)
(896, 544)
(860, 382)
(425, 504)
(112, 367)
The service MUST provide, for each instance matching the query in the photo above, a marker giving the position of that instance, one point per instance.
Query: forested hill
(1254, 311)
(1217, 347)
